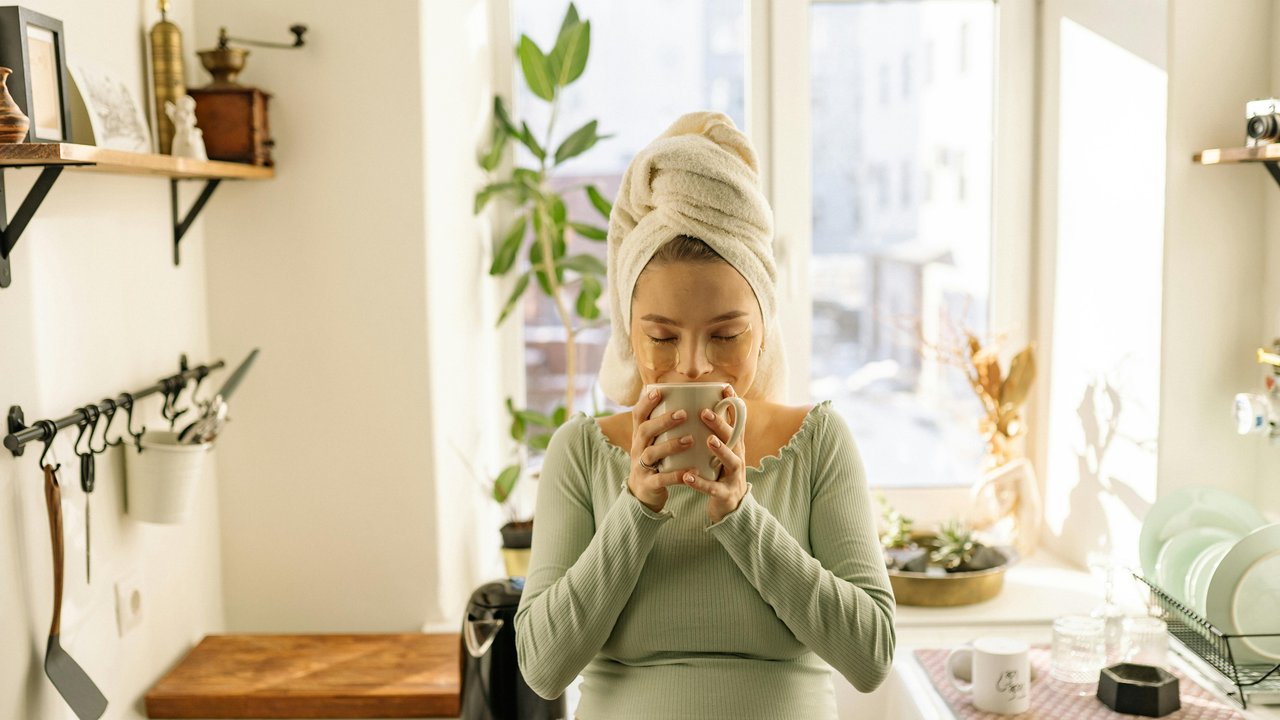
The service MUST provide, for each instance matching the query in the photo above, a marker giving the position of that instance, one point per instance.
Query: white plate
(1173, 563)
(1201, 572)
(1244, 594)
(1190, 507)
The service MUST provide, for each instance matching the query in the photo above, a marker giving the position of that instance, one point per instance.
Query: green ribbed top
(666, 615)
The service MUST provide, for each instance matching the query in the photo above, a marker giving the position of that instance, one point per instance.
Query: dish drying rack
(1204, 640)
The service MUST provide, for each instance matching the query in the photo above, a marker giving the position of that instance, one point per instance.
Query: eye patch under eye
(663, 354)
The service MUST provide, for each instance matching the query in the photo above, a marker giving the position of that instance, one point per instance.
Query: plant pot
(947, 589)
(161, 480)
(517, 537)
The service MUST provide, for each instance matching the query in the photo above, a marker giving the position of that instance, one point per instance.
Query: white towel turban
(699, 178)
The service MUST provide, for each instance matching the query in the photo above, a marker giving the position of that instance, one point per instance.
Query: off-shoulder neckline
(806, 427)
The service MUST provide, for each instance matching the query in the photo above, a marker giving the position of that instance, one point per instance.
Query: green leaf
(517, 422)
(558, 211)
(587, 297)
(488, 191)
(526, 136)
(569, 56)
(577, 143)
(491, 159)
(530, 180)
(604, 206)
(570, 19)
(583, 263)
(516, 294)
(537, 69)
(506, 255)
(505, 483)
(503, 117)
(590, 232)
(535, 418)
(540, 442)
(560, 415)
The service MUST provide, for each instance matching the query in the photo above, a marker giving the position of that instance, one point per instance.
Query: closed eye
(721, 338)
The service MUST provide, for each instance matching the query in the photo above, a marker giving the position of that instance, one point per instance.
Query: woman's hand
(725, 493)
(648, 485)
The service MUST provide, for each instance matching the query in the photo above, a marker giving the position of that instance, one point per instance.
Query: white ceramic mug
(693, 398)
(1001, 675)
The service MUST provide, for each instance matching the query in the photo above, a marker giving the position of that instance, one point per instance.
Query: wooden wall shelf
(53, 157)
(1268, 155)
(119, 161)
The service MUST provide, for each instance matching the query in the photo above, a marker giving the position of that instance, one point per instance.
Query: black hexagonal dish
(1139, 690)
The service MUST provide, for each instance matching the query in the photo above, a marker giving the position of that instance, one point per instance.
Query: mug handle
(961, 686)
(739, 423)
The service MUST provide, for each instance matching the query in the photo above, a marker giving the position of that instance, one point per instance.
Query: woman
(674, 596)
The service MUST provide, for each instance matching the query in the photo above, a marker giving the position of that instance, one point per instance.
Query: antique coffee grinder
(234, 116)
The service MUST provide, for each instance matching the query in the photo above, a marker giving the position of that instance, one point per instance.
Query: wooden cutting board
(313, 676)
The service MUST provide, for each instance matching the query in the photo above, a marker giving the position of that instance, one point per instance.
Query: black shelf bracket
(180, 227)
(1273, 167)
(11, 230)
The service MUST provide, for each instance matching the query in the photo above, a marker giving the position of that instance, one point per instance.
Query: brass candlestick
(166, 63)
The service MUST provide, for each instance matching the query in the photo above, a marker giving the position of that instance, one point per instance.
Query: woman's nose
(694, 364)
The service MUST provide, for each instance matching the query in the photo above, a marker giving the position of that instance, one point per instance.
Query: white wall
(1150, 266)
(347, 507)
(96, 308)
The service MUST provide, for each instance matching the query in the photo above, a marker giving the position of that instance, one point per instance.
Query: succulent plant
(954, 546)
(897, 533)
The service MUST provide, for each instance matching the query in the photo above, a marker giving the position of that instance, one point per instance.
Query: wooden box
(234, 122)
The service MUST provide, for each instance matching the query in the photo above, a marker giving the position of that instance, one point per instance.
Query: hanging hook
(111, 415)
(128, 406)
(50, 431)
(101, 414)
(90, 423)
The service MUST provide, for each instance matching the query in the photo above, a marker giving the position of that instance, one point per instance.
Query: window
(912, 266)
(634, 88)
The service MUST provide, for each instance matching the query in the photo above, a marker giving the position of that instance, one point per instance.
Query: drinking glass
(1147, 640)
(1079, 653)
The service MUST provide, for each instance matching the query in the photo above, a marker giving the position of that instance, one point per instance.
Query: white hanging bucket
(161, 481)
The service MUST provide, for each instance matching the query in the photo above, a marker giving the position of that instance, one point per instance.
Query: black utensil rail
(1214, 647)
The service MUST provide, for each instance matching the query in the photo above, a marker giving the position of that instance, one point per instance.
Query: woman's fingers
(649, 429)
(728, 458)
(718, 425)
(653, 454)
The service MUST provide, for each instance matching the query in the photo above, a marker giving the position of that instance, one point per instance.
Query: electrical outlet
(128, 603)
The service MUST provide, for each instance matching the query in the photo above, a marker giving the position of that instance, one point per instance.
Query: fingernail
(688, 477)
(653, 394)
(715, 441)
(708, 414)
(679, 415)
(686, 440)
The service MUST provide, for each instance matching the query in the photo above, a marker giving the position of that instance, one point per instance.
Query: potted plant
(943, 568)
(1005, 499)
(542, 230)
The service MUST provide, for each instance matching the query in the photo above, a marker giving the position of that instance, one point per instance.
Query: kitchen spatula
(67, 676)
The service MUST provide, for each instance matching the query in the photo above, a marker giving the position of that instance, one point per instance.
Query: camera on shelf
(1262, 122)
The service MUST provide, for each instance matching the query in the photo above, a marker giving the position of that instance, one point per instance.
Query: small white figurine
(188, 140)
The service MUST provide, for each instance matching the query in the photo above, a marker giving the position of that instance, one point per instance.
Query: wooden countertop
(313, 676)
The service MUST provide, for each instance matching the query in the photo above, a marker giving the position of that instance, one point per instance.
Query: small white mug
(1001, 675)
(693, 398)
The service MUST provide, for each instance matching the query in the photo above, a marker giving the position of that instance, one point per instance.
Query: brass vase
(13, 123)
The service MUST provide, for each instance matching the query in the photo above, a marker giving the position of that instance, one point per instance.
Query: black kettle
(492, 686)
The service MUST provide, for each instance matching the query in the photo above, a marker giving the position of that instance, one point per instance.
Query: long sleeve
(580, 576)
(836, 601)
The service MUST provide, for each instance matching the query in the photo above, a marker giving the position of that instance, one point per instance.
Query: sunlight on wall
(1105, 371)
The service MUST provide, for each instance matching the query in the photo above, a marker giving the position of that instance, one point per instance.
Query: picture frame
(115, 115)
(34, 47)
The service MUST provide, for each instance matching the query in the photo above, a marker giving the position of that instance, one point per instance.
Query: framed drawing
(33, 46)
(115, 114)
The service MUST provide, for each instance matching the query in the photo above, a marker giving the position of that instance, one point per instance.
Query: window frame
(779, 126)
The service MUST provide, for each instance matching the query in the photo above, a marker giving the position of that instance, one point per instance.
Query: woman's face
(696, 322)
